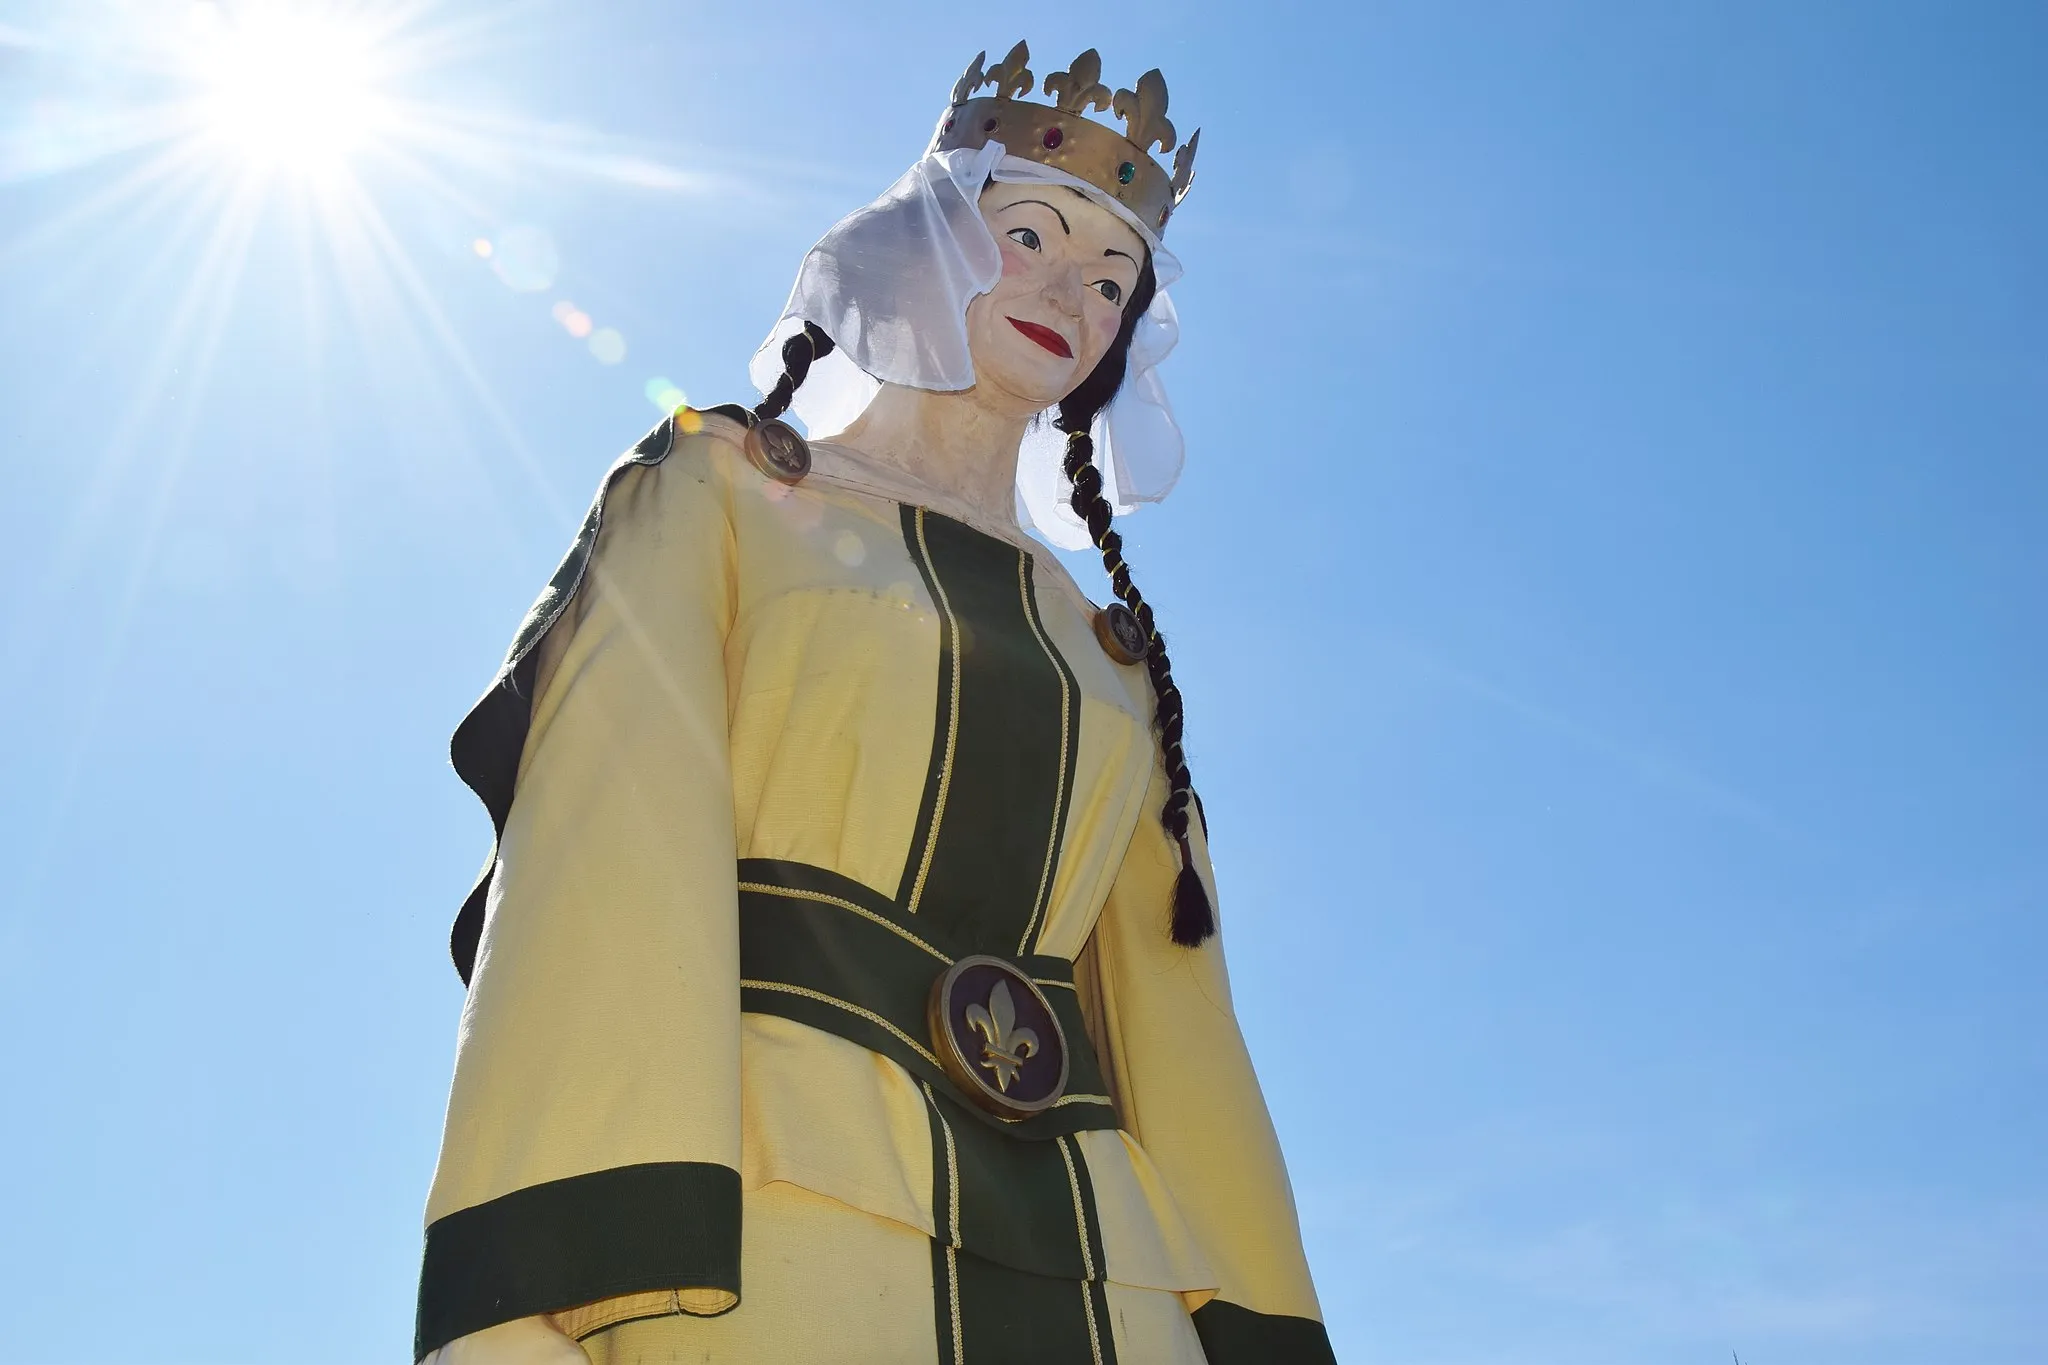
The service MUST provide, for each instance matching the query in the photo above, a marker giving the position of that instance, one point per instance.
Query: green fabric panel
(836, 952)
(1016, 1205)
(825, 882)
(1092, 1220)
(1064, 787)
(1237, 1336)
(1098, 1292)
(1012, 770)
(1012, 1317)
(663, 1225)
(828, 949)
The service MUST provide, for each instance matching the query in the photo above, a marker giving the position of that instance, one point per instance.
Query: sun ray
(395, 256)
(62, 225)
(142, 393)
(194, 333)
(292, 115)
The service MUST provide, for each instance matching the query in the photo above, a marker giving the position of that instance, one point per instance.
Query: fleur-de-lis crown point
(1079, 88)
(1184, 166)
(970, 80)
(1143, 111)
(1011, 77)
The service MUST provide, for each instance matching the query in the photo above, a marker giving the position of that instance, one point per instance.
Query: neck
(962, 444)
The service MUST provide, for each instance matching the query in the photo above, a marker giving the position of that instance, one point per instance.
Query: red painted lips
(1044, 336)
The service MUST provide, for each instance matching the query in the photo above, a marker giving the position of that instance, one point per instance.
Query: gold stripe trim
(1087, 1256)
(823, 998)
(953, 1293)
(931, 842)
(1080, 1215)
(1042, 900)
(1052, 981)
(952, 1166)
(1082, 1099)
(861, 910)
(953, 1216)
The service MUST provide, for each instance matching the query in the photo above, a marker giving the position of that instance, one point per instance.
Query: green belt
(824, 950)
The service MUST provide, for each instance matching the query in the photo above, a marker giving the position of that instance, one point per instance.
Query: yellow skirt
(825, 1284)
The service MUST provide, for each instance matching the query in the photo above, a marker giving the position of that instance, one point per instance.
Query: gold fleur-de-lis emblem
(1005, 1047)
(1011, 78)
(1143, 111)
(1079, 88)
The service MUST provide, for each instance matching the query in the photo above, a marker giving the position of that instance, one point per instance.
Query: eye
(1111, 290)
(1025, 237)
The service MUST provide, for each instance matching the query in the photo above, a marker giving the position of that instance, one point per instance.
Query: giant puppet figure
(844, 987)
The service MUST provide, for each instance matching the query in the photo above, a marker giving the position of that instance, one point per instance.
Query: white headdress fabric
(890, 284)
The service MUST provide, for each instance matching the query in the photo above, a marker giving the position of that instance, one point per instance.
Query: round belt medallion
(997, 1037)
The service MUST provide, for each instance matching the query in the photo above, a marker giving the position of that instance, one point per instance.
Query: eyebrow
(1055, 213)
(1107, 251)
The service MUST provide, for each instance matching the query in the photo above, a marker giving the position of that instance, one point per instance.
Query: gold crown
(1061, 135)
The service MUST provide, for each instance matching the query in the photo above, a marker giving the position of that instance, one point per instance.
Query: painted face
(1069, 266)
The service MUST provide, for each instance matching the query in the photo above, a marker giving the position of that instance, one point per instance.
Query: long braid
(1194, 919)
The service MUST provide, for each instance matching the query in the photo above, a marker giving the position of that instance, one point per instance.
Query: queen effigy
(844, 984)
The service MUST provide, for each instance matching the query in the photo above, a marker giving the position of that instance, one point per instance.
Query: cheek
(1101, 318)
(1017, 262)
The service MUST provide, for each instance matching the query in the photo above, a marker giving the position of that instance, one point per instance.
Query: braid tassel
(1194, 919)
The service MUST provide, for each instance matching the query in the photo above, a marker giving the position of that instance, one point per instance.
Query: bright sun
(288, 89)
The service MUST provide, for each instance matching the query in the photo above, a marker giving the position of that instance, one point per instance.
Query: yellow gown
(763, 760)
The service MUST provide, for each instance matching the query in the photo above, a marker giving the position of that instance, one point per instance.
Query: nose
(1063, 290)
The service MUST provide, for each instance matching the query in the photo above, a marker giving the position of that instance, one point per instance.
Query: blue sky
(1608, 581)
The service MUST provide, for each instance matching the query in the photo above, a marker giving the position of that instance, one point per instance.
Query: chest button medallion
(1118, 632)
(777, 451)
(997, 1037)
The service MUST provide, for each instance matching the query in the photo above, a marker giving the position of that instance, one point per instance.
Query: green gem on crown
(1126, 173)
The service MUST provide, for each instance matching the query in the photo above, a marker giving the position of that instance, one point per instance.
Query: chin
(1043, 379)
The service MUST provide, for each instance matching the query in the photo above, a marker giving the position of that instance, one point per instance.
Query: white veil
(890, 284)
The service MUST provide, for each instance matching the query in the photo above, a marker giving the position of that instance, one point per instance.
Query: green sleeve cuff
(549, 1247)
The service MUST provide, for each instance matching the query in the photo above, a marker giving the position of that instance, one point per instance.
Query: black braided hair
(799, 353)
(1194, 919)
(802, 348)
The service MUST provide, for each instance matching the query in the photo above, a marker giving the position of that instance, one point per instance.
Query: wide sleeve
(589, 1166)
(1185, 1089)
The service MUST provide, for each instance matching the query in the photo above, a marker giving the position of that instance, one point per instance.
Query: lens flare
(574, 320)
(525, 258)
(662, 392)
